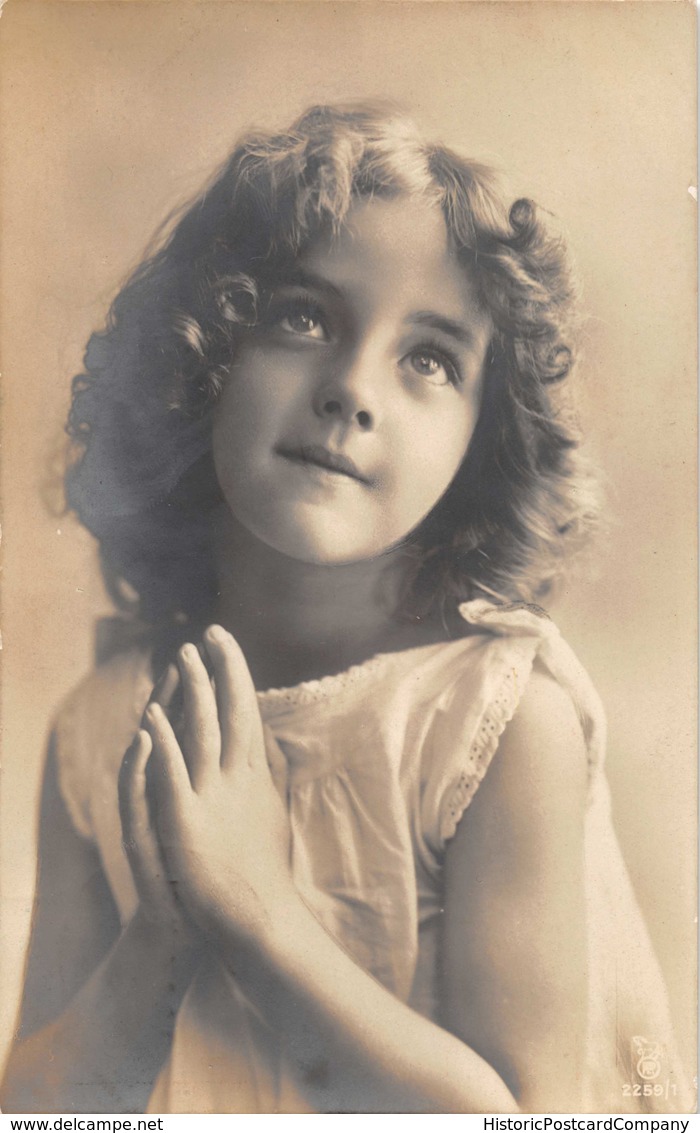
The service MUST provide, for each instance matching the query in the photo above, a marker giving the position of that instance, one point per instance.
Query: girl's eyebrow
(299, 277)
(458, 331)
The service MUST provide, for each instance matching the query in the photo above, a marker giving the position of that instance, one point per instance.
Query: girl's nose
(347, 398)
(337, 407)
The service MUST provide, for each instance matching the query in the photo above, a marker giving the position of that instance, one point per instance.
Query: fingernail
(218, 634)
(187, 652)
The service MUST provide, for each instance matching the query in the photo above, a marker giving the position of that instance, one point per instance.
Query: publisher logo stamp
(648, 1056)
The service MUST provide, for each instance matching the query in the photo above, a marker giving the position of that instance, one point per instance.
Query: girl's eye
(301, 318)
(435, 367)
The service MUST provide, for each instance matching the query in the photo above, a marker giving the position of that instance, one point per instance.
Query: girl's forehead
(376, 227)
(398, 250)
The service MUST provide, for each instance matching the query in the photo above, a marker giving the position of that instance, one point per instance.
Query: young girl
(358, 856)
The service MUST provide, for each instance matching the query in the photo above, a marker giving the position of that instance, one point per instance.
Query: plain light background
(112, 113)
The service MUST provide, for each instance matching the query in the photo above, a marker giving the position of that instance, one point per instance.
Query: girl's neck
(298, 621)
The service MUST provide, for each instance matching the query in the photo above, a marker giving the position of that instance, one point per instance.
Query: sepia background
(112, 113)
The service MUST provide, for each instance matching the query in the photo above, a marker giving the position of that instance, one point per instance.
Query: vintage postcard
(349, 570)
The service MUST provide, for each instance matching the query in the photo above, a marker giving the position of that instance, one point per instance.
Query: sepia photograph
(348, 607)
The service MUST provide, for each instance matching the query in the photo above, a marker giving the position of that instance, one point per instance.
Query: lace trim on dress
(499, 713)
(322, 688)
(309, 692)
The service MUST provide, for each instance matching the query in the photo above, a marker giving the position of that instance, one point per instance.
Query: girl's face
(350, 407)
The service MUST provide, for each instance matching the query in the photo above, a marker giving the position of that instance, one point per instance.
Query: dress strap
(517, 617)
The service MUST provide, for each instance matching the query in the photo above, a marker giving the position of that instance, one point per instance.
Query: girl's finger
(201, 734)
(168, 693)
(165, 687)
(133, 805)
(167, 761)
(138, 832)
(138, 835)
(239, 717)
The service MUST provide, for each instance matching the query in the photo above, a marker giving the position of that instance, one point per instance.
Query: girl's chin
(314, 544)
(323, 555)
(327, 550)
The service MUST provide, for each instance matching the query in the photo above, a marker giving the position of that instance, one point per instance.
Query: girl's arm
(514, 934)
(90, 1044)
(356, 1047)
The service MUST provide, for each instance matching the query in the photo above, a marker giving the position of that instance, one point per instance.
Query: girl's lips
(323, 458)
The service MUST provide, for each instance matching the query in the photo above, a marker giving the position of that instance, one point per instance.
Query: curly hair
(141, 476)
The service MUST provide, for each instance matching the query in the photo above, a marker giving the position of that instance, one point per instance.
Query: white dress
(379, 764)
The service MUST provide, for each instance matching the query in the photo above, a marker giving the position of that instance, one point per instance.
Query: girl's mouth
(322, 457)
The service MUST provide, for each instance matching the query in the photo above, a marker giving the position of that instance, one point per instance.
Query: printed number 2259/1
(649, 1090)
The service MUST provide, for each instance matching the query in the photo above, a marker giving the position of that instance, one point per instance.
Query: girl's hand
(222, 827)
(158, 903)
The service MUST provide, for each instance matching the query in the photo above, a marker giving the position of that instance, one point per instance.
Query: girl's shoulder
(517, 637)
(106, 690)
(95, 723)
(514, 671)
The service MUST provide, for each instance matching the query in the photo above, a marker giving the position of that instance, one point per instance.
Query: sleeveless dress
(379, 764)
